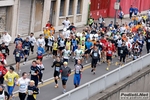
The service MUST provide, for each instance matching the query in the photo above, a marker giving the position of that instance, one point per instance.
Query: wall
(139, 82)
(99, 7)
(142, 5)
(106, 7)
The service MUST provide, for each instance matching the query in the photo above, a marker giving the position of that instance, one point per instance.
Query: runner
(88, 46)
(26, 48)
(3, 94)
(32, 40)
(74, 46)
(78, 53)
(23, 85)
(65, 73)
(46, 36)
(18, 39)
(42, 68)
(34, 72)
(83, 50)
(32, 91)
(40, 41)
(3, 71)
(123, 52)
(55, 49)
(66, 54)
(61, 45)
(4, 49)
(19, 54)
(49, 45)
(57, 64)
(95, 54)
(40, 52)
(109, 54)
(78, 73)
(10, 78)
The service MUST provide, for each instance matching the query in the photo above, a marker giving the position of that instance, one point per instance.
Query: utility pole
(116, 11)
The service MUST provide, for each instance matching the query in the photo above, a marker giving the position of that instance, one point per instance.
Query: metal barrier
(101, 83)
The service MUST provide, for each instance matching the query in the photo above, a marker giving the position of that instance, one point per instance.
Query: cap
(19, 34)
(3, 43)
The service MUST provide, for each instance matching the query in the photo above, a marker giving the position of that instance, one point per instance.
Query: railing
(101, 83)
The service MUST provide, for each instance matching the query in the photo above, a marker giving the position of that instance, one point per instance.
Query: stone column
(66, 10)
(46, 12)
(15, 11)
(75, 10)
(57, 12)
(32, 16)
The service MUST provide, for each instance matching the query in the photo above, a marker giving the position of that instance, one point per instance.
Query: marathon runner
(65, 73)
(57, 64)
(23, 83)
(78, 72)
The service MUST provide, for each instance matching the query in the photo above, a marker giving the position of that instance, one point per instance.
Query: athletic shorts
(1, 80)
(77, 78)
(109, 58)
(55, 52)
(64, 80)
(56, 73)
(26, 52)
(46, 42)
(74, 48)
(18, 59)
(10, 90)
(65, 60)
(61, 48)
(88, 51)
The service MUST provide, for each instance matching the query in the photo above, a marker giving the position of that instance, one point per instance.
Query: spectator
(6, 38)
(131, 10)
(66, 23)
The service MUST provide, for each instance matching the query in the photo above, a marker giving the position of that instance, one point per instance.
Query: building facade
(26, 16)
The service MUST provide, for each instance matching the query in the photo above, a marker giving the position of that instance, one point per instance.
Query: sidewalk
(11, 61)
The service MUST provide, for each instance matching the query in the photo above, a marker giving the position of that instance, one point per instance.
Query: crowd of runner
(98, 42)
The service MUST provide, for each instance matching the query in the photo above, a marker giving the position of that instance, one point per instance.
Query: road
(47, 90)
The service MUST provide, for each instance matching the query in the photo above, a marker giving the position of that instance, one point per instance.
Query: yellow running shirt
(55, 46)
(10, 77)
(68, 44)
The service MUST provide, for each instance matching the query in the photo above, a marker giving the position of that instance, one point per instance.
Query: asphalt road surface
(47, 89)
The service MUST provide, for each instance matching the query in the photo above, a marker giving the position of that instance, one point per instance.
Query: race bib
(57, 69)
(0, 73)
(2, 98)
(9, 79)
(77, 71)
(109, 52)
(32, 72)
(3, 51)
(95, 54)
(26, 47)
(121, 51)
(30, 92)
(18, 55)
(51, 31)
(74, 44)
(50, 43)
(22, 86)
